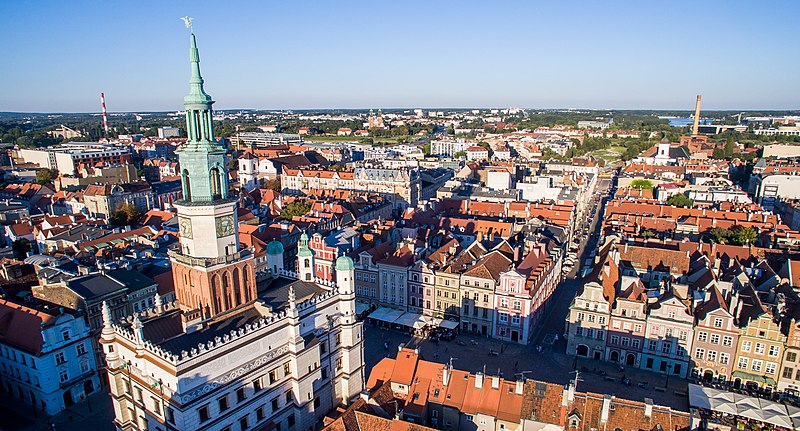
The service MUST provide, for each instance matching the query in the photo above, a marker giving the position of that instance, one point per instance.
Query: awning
(387, 315)
(449, 324)
(408, 319)
(361, 307)
(427, 321)
(741, 405)
(754, 377)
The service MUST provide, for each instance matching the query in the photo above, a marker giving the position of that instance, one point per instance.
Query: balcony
(207, 262)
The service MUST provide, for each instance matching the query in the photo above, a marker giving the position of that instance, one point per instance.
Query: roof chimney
(479, 380)
(520, 385)
(648, 407)
(446, 375)
(606, 408)
(495, 382)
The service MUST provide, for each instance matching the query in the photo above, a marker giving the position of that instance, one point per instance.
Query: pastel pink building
(524, 292)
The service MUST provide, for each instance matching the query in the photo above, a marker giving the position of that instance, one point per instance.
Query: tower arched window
(187, 190)
(307, 263)
(237, 286)
(216, 186)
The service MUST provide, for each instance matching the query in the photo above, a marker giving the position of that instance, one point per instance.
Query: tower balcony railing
(207, 262)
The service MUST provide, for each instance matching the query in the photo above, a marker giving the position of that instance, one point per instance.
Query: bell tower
(211, 274)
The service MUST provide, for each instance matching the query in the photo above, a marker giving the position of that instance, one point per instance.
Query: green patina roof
(302, 249)
(275, 247)
(344, 263)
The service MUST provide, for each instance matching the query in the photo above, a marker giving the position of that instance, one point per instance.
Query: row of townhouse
(402, 186)
(725, 322)
(497, 291)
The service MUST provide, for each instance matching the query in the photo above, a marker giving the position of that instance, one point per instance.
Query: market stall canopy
(388, 315)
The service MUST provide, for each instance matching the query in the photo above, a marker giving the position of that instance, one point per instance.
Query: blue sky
(345, 54)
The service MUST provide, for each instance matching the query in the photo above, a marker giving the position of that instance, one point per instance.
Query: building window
(170, 415)
(743, 362)
(702, 336)
(290, 420)
(773, 351)
(257, 385)
(240, 395)
(260, 413)
(760, 349)
(718, 322)
(756, 365)
(202, 413)
(727, 341)
(60, 358)
(81, 349)
(724, 358)
(275, 404)
(791, 356)
(700, 354)
(65, 334)
(243, 425)
(747, 346)
(223, 403)
(770, 367)
(63, 376)
(787, 373)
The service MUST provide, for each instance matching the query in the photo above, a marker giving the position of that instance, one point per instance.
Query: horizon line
(409, 108)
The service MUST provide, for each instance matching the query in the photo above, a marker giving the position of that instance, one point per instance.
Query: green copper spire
(196, 96)
(202, 159)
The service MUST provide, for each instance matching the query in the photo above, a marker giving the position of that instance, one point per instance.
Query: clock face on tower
(185, 226)
(224, 225)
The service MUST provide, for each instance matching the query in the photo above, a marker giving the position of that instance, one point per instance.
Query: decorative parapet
(201, 348)
(316, 299)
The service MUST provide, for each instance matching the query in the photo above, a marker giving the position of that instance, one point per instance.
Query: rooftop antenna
(105, 114)
(450, 362)
(577, 377)
(522, 374)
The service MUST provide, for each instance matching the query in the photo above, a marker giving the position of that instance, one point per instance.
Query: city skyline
(355, 56)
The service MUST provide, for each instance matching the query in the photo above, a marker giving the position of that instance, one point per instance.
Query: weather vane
(188, 22)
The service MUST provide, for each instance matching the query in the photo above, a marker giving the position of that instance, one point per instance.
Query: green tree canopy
(680, 200)
(46, 176)
(460, 154)
(642, 184)
(126, 214)
(719, 235)
(744, 235)
(296, 208)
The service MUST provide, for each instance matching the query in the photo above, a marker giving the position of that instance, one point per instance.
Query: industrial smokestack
(696, 115)
(105, 114)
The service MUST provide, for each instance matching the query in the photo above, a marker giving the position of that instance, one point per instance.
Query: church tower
(211, 274)
(305, 260)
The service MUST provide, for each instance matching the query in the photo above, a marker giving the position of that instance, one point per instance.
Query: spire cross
(187, 21)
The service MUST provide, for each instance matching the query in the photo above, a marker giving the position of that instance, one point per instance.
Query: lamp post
(669, 369)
